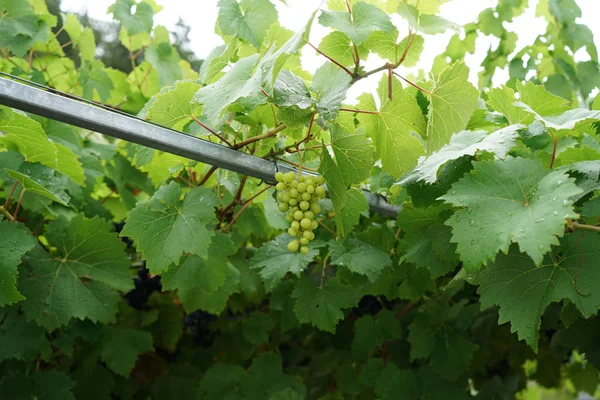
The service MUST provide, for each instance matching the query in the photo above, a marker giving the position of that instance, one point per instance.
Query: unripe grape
(305, 223)
(309, 215)
(289, 177)
(304, 250)
(306, 196)
(320, 180)
(302, 178)
(319, 190)
(293, 202)
(292, 232)
(279, 176)
(304, 205)
(293, 246)
(281, 186)
(308, 235)
(288, 218)
(299, 215)
(283, 207)
(293, 193)
(296, 225)
(314, 225)
(294, 209)
(294, 184)
(285, 198)
(304, 241)
(310, 189)
(309, 181)
(301, 187)
(315, 207)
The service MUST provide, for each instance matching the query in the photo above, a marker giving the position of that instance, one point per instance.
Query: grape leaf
(173, 108)
(198, 277)
(80, 280)
(426, 23)
(20, 28)
(510, 201)
(139, 22)
(165, 226)
(249, 19)
(464, 143)
(339, 47)
(371, 332)
(29, 138)
(275, 260)
(290, 90)
(22, 340)
(564, 121)
(121, 348)
(364, 20)
(255, 328)
(220, 381)
(395, 128)
(265, 377)
(353, 153)
(164, 57)
(213, 64)
(330, 84)
(322, 306)
(427, 239)
(360, 258)
(48, 385)
(38, 179)
(436, 333)
(385, 46)
(16, 241)
(394, 383)
(453, 100)
(569, 272)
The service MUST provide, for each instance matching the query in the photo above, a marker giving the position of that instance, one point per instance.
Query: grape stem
(555, 143)
(246, 204)
(18, 205)
(212, 131)
(12, 190)
(577, 225)
(208, 175)
(324, 269)
(5, 212)
(265, 135)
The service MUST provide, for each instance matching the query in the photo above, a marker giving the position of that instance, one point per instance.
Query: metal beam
(132, 129)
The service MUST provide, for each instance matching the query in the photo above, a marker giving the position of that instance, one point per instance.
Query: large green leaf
(275, 260)
(353, 153)
(509, 201)
(38, 179)
(464, 143)
(139, 22)
(174, 108)
(165, 227)
(80, 279)
(248, 19)
(16, 241)
(360, 258)
(322, 306)
(385, 45)
(21, 339)
(397, 127)
(339, 47)
(121, 348)
(524, 290)
(394, 383)
(453, 100)
(48, 385)
(422, 22)
(364, 20)
(29, 138)
(330, 84)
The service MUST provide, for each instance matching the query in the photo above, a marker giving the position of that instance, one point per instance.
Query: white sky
(201, 15)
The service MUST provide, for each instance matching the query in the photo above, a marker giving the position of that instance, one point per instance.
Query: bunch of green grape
(299, 198)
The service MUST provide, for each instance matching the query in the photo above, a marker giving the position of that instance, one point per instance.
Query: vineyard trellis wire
(50, 103)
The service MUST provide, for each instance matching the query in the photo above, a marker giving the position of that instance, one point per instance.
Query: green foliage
(130, 273)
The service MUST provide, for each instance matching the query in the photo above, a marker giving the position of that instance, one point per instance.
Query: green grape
(285, 198)
(308, 235)
(320, 180)
(283, 207)
(320, 191)
(281, 186)
(293, 192)
(304, 241)
(315, 208)
(288, 218)
(296, 225)
(303, 250)
(299, 215)
(301, 178)
(309, 215)
(304, 205)
(310, 189)
(293, 246)
(302, 187)
(309, 181)
(305, 223)
(293, 202)
(314, 225)
(294, 209)
(289, 177)
(292, 232)
(306, 196)
(294, 184)
(280, 196)
(279, 176)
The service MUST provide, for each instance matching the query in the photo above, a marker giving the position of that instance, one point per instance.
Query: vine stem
(413, 84)
(246, 204)
(324, 269)
(577, 225)
(14, 186)
(359, 111)
(296, 165)
(18, 205)
(328, 229)
(6, 214)
(208, 175)
(332, 60)
(265, 135)
(405, 310)
(555, 143)
(212, 131)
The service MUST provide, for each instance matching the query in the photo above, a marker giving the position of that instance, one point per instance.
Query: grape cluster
(299, 197)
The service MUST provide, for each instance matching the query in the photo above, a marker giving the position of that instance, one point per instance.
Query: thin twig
(246, 204)
(577, 225)
(413, 84)
(405, 310)
(324, 269)
(328, 229)
(18, 205)
(5, 212)
(555, 140)
(265, 135)
(359, 111)
(332, 60)
(14, 186)
(296, 165)
(208, 175)
(212, 131)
